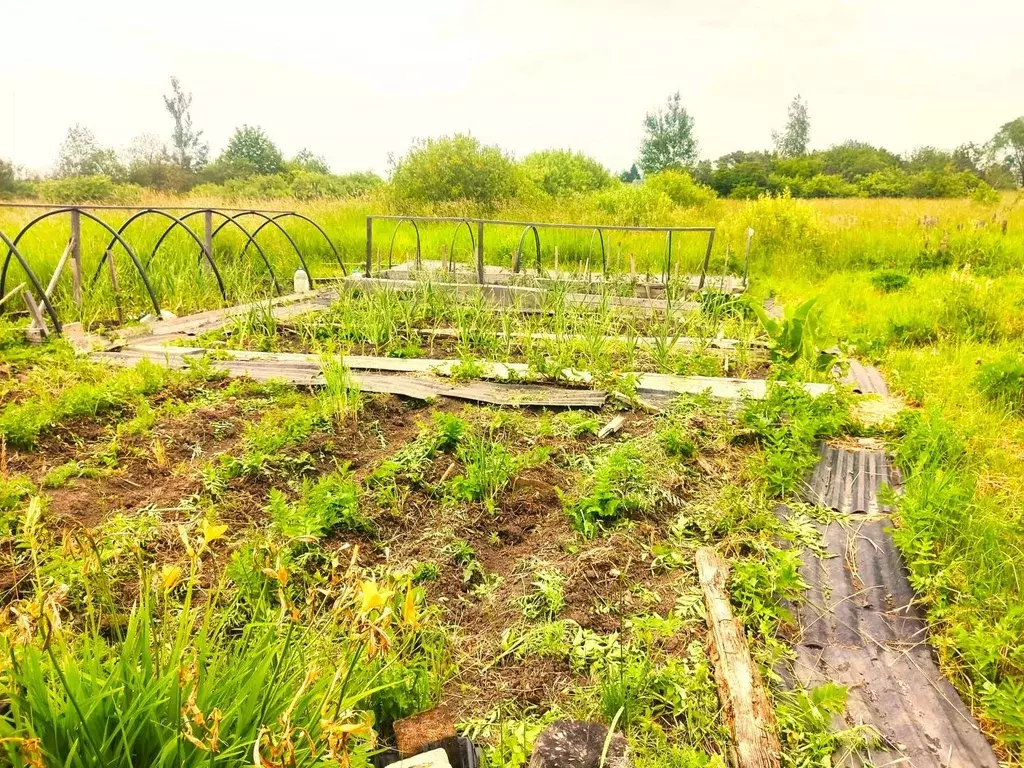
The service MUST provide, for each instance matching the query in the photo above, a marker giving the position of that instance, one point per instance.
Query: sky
(357, 81)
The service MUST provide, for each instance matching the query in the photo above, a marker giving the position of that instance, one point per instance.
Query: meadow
(204, 570)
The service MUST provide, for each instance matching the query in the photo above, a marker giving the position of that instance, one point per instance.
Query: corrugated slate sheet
(848, 480)
(859, 627)
(866, 379)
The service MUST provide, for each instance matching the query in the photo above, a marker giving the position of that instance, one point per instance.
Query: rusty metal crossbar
(528, 227)
(204, 241)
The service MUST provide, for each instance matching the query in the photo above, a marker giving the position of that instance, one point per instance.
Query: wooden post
(117, 291)
(76, 257)
(207, 238)
(556, 263)
(632, 266)
(369, 246)
(745, 705)
(60, 268)
(480, 252)
(444, 258)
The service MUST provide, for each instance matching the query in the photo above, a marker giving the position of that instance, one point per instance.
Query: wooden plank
(520, 296)
(722, 387)
(11, 293)
(419, 387)
(611, 427)
(745, 705)
(755, 347)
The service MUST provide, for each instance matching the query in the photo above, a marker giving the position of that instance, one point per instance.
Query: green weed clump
(890, 281)
(21, 424)
(788, 423)
(1002, 381)
(619, 485)
(328, 505)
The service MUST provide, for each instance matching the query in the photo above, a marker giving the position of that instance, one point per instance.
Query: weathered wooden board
(746, 709)
(721, 387)
(462, 273)
(721, 347)
(419, 387)
(521, 297)
(282, 308)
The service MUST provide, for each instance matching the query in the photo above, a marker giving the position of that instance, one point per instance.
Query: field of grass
(197, 570)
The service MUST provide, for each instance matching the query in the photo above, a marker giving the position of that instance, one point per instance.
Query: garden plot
(514, 566)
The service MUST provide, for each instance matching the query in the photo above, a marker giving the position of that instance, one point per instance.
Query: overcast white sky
(355, 81)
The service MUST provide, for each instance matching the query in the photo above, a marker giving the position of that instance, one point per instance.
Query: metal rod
(555, 225)
(130, 207)
(480, 251)
(369, 245)
(707, 258)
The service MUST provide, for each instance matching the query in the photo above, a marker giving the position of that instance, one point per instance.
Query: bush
(453, 169)
(889, 281)
(88, 189)
(562, 172)
(634, 205)
(680, 188)
(1002, 381)
(890, 182)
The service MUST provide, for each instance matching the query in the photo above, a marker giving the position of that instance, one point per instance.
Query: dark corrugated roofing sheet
(859, 627)
(866, 379)
(848, 480)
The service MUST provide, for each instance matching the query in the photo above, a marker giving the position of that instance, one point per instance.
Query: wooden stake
(632, 266)
(556, 262)
(745, 705)
(445, 266)
(117, 291)
(12, 292)
(76, 257)
(58, 270)
(37, 331)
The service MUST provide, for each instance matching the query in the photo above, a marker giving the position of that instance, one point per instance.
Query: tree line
(461, 168)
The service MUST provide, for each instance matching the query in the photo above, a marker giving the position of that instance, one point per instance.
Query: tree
(454, 168)
(80, 155)
(249, 144)
(190, 151)
(628, 177)
(795, 137)
(562, 171)
(8, 181)
(1008, 144)
(668, 141)
(306, 160)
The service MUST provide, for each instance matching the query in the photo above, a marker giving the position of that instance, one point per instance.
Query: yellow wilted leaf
(169, 575)
(213, 531)
(371, 596)
(409, 609)
(280, 575)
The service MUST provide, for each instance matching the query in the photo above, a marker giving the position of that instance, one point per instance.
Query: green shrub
(618, 486)
(680, 188)
(88, 189)
(456, 168)
(889, 281)
(1002, 381)
(561, 172)
(634, 204)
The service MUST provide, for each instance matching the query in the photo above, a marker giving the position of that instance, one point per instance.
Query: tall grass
(792, 237)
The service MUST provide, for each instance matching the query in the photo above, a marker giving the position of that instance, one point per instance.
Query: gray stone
(574, 744)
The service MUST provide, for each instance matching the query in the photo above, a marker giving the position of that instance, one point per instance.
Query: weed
(547, 598)
(889, 281)
(618, 486)
(328, 505)
(1002, 381)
